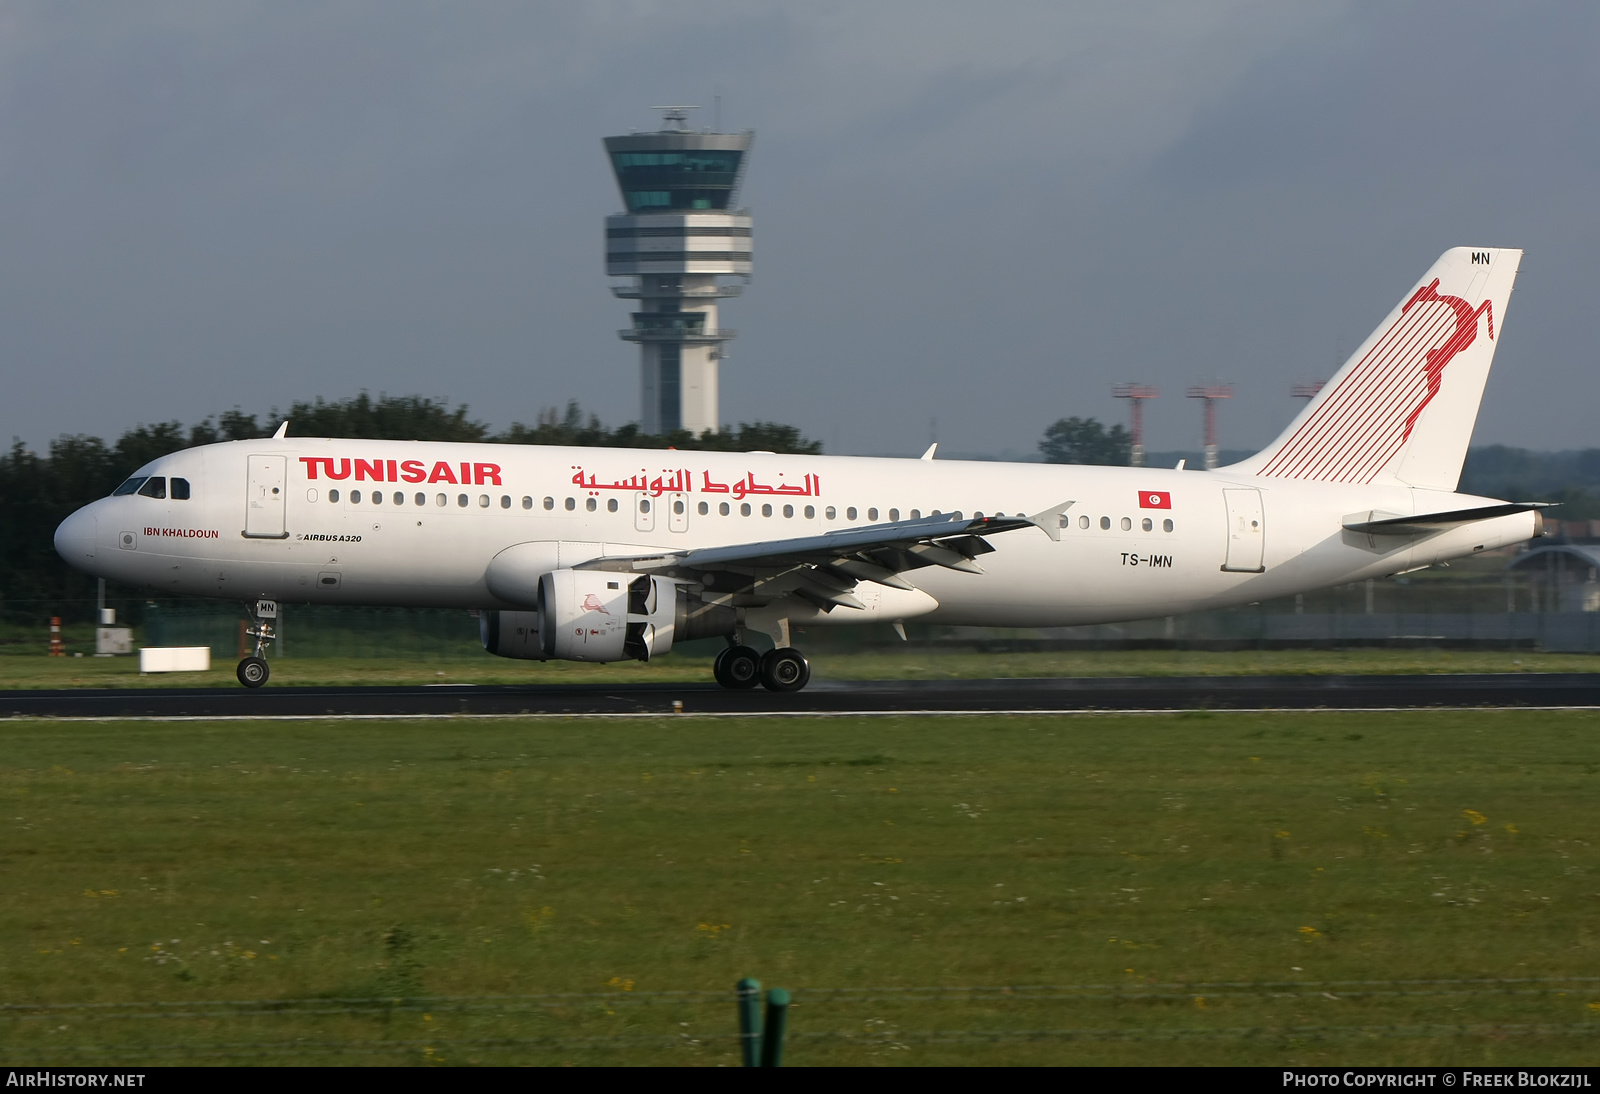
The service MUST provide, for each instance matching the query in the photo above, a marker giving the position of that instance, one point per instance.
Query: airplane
(603, 555)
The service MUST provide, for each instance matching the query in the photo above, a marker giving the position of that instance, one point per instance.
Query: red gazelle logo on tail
(1355, 429)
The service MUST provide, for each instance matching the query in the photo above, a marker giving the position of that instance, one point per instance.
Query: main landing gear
(253, 671)
(782, 669)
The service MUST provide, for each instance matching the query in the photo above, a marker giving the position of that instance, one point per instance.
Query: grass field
(1152, 889)
(902, 663)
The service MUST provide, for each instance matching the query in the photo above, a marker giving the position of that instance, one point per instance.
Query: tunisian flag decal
(1155, 499)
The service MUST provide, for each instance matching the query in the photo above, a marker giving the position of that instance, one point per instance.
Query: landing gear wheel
(253, 672)
(737, 667)
(785, 670)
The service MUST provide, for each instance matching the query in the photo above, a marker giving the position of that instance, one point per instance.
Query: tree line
(38, 491)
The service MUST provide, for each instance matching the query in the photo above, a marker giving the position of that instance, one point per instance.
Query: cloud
(984, 215)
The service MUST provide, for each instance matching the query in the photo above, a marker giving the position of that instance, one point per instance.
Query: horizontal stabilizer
(1370, 523)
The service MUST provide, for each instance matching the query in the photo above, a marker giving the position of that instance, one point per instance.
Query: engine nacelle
(511, 634)
(583, 615)
(652, 617)
(593, 615)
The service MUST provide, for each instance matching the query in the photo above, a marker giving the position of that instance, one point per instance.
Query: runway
(1169, 693)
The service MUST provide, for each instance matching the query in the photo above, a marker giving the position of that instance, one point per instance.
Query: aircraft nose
(76, 538)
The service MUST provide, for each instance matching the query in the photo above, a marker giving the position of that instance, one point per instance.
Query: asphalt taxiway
(1167, 693)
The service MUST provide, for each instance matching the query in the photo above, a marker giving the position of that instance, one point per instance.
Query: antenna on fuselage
(283, 431)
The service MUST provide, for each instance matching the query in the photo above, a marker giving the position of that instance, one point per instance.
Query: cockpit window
(128, 487)
(154, 487)
(180, 489)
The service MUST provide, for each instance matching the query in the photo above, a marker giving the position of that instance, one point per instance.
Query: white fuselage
(406, 530)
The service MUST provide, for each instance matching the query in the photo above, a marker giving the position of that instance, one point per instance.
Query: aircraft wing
(825, 568)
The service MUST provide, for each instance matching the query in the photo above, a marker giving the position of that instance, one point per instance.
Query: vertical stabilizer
(1401, 410)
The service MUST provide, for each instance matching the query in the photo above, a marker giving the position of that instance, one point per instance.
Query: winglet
(1050, 519)
(283, 431)
(928, 455)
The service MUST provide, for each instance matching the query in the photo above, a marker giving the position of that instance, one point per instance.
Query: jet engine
(511, 634)
(595, 615)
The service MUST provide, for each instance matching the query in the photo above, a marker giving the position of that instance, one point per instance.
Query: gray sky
(980, 213)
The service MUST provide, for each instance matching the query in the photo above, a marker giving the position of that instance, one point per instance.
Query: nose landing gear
(253, 670)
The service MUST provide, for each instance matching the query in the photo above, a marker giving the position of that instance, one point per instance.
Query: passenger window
(399, 498)
(1105, 524)
(1083, 522)
(1166, 526)
(644, 505)
(850, 513)
(549, 503)
(744, 509)
(505, 501)
(724, 509)
(180, 489)
(483, 501)
(440, 499)
(571, 505)
(421, 499)
(1147, 524)
(704, 509)
(590, 504)
(766, 510)
(333, 494)
(129, 487)
(811, 512)
(355, 497)
(154, 487)
(1127, 525)
(830, 512)
(377, 497)
(894, 514)
(916, 514)
(788, 511)
(527, 503)
(872, 514)
(611, 505)
(461, 501)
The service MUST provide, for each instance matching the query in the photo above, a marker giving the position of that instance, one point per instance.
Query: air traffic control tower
(679, 235)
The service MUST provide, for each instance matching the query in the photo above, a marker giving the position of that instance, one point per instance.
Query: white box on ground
(111, 640)
(175, 659)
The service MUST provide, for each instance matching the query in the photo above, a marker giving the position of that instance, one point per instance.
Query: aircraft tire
(253, 672)
(785, 669)
(738, 668)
